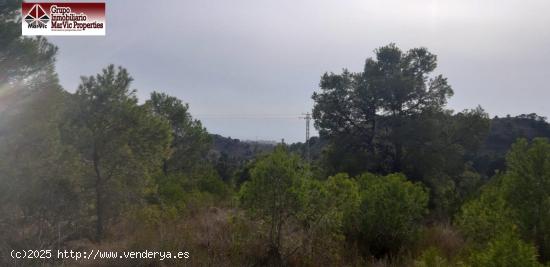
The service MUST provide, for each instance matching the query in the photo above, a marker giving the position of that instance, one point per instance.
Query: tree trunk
(99, 198)
(99, 212)
(165, 167)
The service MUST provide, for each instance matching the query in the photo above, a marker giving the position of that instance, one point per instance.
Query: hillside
(237, 149)
(504, 132)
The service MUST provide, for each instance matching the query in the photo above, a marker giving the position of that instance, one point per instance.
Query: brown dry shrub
(215, 236)
(444, 238)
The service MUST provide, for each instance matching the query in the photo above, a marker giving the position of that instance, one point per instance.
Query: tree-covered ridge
(504, 132)
(490, 156)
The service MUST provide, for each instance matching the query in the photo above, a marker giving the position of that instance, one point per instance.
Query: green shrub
(327, 208)
(507, 250)
(273, 195)
(201, 185)
(526, 189)
(431, 257)
(519, 198)
(391, 208)
(485, 217)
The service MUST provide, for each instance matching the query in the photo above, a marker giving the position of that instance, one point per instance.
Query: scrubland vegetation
(396, 178)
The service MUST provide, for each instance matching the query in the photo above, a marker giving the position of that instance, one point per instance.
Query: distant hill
(240, 150)
(489, 159)
(230, 156)
(504, 132)
(316, 146)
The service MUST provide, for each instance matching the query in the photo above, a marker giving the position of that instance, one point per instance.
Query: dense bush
(272, 194)
(526, 189)
(391, 209)
(518, 198)
(487, 216)
(431, 257)
(507, 250)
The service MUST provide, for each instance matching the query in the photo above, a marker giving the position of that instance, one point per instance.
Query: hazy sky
(248, 68)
